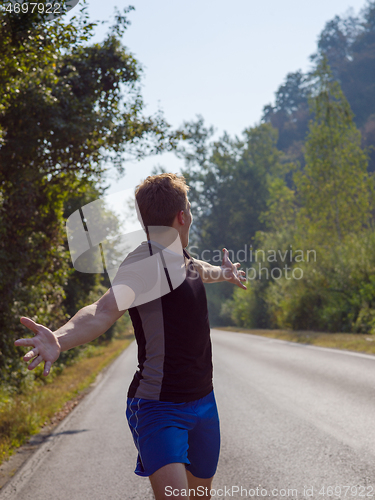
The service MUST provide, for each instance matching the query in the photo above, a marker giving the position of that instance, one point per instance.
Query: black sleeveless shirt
(174, 345)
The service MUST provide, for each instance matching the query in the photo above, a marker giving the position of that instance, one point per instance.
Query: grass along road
(348, 341)
(44, 406)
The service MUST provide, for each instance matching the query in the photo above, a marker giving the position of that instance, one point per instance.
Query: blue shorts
(166, 433)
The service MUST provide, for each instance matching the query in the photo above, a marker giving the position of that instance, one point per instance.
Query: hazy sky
(223, 60)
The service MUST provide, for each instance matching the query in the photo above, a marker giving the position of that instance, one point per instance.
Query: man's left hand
(231, 272)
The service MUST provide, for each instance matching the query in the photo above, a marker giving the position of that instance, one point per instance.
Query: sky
(222, 60)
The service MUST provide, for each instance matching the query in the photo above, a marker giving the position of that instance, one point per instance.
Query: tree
(348, 44)
(329, 214)
(66, 108)
(290, 114)
(230, 181)
(334, 189)
(336, 42)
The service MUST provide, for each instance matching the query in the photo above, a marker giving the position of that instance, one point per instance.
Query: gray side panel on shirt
(153, 327)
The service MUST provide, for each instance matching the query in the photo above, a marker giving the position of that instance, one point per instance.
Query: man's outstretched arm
(226, 272)
(89, 323)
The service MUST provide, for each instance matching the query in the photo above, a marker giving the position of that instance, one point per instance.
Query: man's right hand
(86, 325)
(45, 346)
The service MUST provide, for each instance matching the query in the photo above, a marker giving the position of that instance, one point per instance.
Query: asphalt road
(295, 419)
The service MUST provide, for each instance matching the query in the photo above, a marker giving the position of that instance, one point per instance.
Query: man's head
(162, 201)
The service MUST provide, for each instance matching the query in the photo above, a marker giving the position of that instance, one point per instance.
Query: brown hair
(160, 198)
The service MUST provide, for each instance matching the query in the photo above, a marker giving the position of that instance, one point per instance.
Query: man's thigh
(201, 486)
(170, 481)
(174, 481)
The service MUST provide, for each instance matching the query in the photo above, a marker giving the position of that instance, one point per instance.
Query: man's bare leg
(194, 482)
(173, 476)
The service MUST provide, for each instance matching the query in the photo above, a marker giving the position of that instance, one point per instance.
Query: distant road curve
(294, 419)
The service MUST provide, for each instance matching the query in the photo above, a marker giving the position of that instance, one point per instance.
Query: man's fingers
(30, 324)
(239, 273)
(31, 354)
(47, 368)
(25, 342)
(42, 339)
(232, 272)
(35, 363)
(241, 285)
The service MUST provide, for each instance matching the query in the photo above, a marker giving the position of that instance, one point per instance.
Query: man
(171, 408)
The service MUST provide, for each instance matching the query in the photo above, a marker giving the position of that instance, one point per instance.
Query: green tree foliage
(230, 182)
(83, 288)
(336, 294)
(290, 114)
(329, 213)
(272, 246)
(336, 41)
(334, 188)
(66, 107)
(348, 43)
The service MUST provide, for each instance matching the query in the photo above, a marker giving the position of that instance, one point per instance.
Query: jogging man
(171, 408)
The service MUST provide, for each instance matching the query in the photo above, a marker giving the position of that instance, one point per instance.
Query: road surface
(295, 419)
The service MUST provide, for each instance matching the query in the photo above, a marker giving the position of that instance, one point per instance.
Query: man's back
(174, 347)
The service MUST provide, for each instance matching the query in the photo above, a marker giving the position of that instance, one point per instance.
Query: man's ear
(181, 217)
